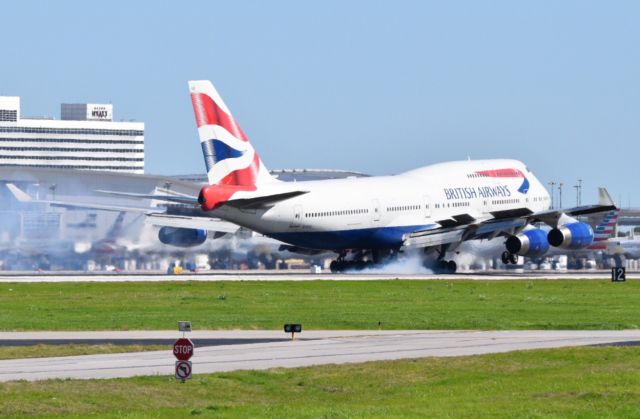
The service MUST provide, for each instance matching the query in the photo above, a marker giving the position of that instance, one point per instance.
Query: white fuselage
(630, 248)
(376, 212)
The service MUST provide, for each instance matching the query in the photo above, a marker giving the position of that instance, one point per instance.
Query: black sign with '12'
(618, 274)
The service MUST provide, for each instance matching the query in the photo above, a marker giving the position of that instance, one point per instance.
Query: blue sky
(379, 87)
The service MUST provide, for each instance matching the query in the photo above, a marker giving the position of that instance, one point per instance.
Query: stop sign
(183, 349)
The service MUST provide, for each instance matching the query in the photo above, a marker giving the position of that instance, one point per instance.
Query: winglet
(603, 197)
(18, 193)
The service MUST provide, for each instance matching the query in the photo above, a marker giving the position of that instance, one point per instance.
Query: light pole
(579, 192)
(552, 184)
(560, 195)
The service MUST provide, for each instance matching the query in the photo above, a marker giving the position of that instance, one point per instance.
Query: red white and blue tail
(604, 230)
(229, 157)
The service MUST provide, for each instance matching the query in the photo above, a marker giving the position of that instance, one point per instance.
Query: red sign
(183, 349)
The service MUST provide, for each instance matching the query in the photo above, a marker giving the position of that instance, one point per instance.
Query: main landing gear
(508, 258)
(446, 267)
(356, 262)
(337, 265)
(362, 259)
(442, 266)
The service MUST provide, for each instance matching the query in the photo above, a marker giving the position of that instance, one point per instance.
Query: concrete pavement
(313, 348)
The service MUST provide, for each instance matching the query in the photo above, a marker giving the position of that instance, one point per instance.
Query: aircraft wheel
(506, 257)
(359, 265)
(452, 267)
(335, 266)
(441, 267)
(513, 258)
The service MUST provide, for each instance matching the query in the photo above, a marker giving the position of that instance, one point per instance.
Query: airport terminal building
(85, 137)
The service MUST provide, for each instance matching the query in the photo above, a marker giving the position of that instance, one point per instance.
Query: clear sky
(378, 87)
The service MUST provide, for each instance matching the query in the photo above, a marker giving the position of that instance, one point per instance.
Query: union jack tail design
(229, 157)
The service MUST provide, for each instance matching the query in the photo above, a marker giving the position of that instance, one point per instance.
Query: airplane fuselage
(376, 212)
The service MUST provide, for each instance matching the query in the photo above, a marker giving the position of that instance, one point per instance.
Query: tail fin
(603, 197)
(229, 157)
(116, 229)
(605, 229)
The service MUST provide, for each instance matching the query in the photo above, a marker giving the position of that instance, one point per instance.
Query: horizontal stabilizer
(181, 199)
(262, 201)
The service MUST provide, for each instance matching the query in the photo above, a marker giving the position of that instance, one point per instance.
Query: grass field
(452, 304)
(41, 351)
(577, 382)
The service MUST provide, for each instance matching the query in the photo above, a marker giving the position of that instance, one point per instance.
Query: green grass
(450, 304)
(42, 351)
(577, 382)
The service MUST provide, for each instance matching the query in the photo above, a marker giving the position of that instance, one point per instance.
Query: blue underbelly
(366, 238)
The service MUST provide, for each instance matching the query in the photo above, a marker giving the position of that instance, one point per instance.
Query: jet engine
(571, 236)
(182, 237)
(528, 243)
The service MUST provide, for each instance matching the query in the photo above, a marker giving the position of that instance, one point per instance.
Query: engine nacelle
(182, 237)
(571, 236)
(528, 243)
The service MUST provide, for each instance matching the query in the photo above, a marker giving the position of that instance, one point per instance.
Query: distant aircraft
(370, 219)
(627, 248)
(112, 241)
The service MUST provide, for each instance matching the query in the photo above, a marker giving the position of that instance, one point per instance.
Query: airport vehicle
(435, 207)
(370, 219)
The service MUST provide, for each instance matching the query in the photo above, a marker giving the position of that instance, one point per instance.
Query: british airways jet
(368, 220)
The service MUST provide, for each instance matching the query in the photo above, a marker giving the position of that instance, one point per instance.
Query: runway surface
(143, 337)
(299, 276)
(313, 348)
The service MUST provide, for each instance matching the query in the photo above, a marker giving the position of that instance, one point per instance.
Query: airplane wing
(155, 216)
(22, 196)
(502, 224)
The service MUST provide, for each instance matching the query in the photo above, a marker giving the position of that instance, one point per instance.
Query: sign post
(183, 370)
(618, 274)
(183, 351)
(293, 329)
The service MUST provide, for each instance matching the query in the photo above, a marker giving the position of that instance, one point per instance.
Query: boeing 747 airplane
(370, 219)
(435, 207)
